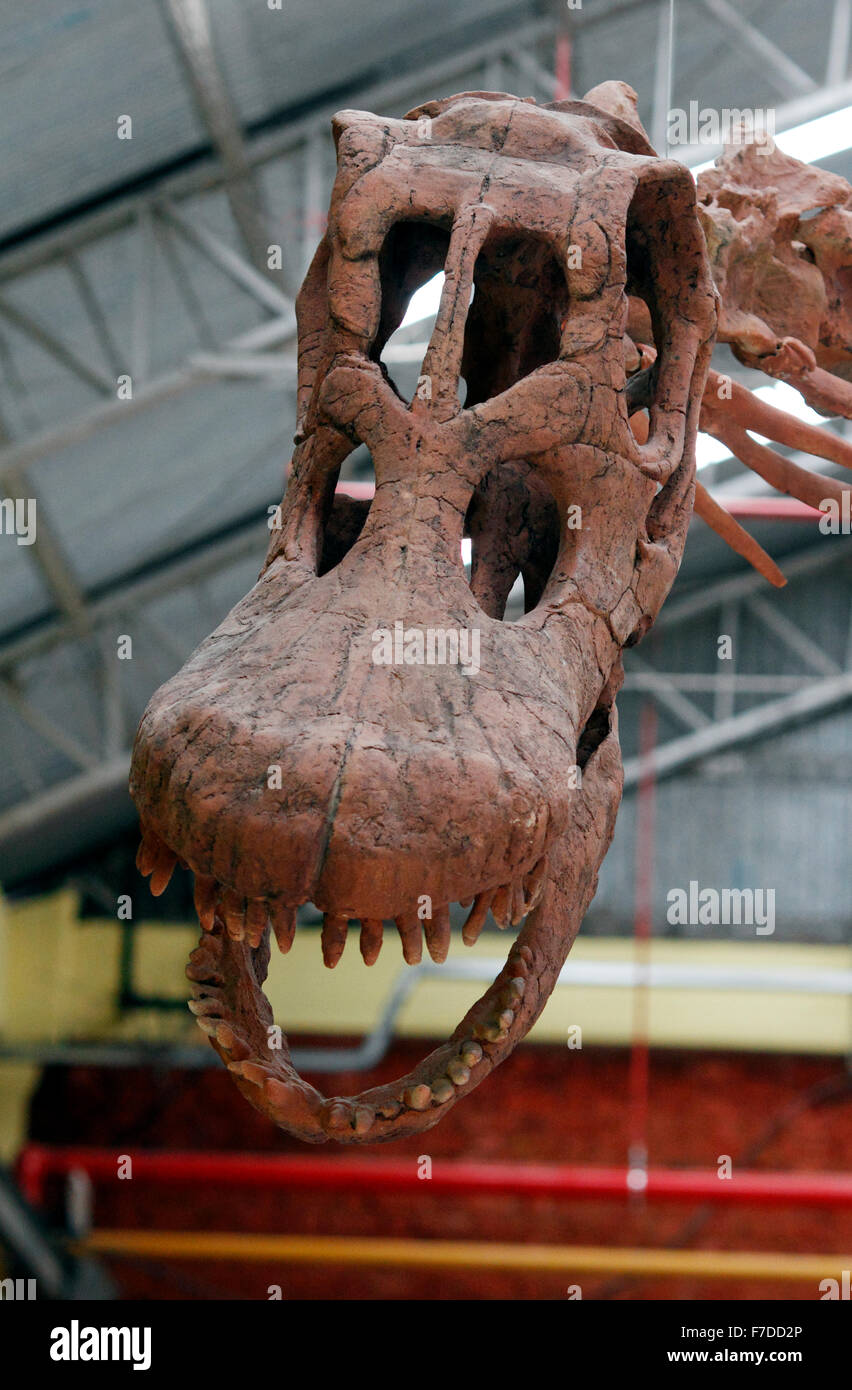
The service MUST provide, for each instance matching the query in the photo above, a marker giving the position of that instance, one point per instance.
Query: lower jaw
(229, 966)
(230, 1007)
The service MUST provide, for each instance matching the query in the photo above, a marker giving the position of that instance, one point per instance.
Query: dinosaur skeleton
(282, 764)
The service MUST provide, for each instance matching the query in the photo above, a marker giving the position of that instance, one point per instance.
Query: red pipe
(562, 85)
(37, 1162)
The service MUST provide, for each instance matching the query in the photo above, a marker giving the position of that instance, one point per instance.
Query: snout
(294, 756)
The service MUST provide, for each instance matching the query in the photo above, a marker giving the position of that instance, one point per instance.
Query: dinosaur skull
(285, 763)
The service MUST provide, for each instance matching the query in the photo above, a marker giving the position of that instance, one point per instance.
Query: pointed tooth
(518, 903)
(234, 912)
(437, 929)
(283, 923)
(256, 920)
(466, 903)
(535, 881)
(505, 1019)
(514, 990)
(501, 906)
(408, 926)
(208, 1026)
(334, 928)
(372, 930)
(476, 921)
(163, 870)
(205, 894)
(146, 855)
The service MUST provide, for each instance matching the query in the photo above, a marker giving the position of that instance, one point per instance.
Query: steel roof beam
(817, 698)
(188, 23)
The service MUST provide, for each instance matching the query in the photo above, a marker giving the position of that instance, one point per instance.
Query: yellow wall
(59, 977)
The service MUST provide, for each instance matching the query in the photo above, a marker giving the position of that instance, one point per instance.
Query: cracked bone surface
(284, 764)
(779, 236)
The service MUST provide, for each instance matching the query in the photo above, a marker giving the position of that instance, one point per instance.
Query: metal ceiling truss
(748, 705)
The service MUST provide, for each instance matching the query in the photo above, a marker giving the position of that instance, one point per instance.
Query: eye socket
(514, 319)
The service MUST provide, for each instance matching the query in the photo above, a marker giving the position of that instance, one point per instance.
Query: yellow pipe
(460, 1254)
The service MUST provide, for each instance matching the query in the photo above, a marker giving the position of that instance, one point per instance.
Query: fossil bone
(283, 764)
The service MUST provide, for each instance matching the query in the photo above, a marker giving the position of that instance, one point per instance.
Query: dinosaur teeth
(534, 883)
(205, 895)
(437, 931)
(205, 1008)
(334, 928)
(364, 1118)
(476, 921)
(163, 870)
(372, 930)
(337, 1114)
(234, 913)
(501, 906)
(458, 1072)
(283, 920)
(256, 921)
(411, 937)
(418, 1097)
(442, 1090)
(519, 909)
(248, 919)
(276, 1088)
(255, 1073)
(514, 990)
(146, 855)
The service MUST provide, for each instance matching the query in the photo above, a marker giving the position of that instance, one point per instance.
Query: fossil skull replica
(283, 764)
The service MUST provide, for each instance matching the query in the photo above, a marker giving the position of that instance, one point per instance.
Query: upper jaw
(247, 917)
